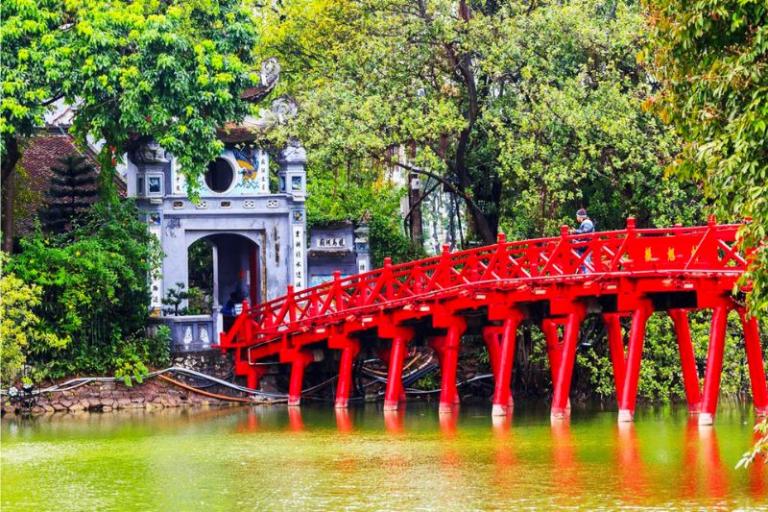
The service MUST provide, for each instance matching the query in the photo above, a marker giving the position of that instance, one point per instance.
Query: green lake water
(315, 459)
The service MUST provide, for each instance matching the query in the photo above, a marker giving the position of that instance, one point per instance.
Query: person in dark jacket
(585, 226)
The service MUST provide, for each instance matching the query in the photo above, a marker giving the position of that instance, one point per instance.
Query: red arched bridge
(554, 282)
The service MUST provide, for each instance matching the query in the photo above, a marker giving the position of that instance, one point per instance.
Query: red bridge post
(400, 339)
(616, 347)
(300, 361)
(344, 384)
(634, 356)
(492, 337)
(687, 359)
(554, 350)
(562, 386)
(501, 393)
(447, 348)
(755, 362)
(714, 365)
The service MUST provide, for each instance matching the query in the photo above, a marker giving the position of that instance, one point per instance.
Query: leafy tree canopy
(27, 31)
(170, 70)
(524, 128)
(711, 58)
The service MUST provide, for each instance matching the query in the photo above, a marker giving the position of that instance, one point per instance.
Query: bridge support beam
(492, 337)
(755, 362)
(562, 385)
(687, 359)
(344, 384)
(634, 356)
(298, 364)
(554, 350)
(447, 348)
(714, 365)
(501, 395)
(616, 347)
(394, 391)
(252, 373)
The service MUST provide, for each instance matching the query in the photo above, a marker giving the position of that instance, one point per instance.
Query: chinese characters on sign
(326, 242)
(299, 257)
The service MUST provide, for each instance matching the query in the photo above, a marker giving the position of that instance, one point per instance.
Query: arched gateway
(257, 237)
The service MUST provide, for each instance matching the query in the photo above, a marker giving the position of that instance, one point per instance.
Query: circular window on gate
(220, 175)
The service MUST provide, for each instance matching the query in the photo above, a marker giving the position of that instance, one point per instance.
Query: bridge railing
(705, 248)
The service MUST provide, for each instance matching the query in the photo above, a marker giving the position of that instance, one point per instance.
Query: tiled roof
(40, 153)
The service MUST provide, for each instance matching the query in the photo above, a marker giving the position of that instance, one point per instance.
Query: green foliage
(524, 128)
(27, 31)
(200, 262)
(760, 448)
(94, 290)
(197, 304)
(20, 327)
(569, 127)
(710, 56)
(72, 191)
(173, 71)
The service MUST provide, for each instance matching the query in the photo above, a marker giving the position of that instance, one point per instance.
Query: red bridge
(553, 282)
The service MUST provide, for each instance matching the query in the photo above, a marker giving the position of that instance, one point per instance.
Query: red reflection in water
(251, 423)
(343, 421)
(448, 421)
(295, 422)
(632, 472)
(394, 421)
(757, 479)
(504, 457)
(449, 456)
(566, 466)
(703, 470)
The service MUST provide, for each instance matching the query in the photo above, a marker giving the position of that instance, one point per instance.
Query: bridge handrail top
(579, 238)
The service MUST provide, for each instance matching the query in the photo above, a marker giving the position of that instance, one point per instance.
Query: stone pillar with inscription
(292, 178)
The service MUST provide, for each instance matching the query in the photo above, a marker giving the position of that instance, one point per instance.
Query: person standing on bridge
(585, 226)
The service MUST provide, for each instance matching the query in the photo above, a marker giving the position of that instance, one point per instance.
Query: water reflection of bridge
(626, 465)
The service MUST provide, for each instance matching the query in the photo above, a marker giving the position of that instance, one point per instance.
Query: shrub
(94, 291)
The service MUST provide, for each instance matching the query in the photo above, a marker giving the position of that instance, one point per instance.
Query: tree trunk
(10, 158)
(414, 210)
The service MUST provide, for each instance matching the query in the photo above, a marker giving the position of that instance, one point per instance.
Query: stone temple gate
(256, 235)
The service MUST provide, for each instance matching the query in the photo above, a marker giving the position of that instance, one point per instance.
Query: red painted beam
(714, 365)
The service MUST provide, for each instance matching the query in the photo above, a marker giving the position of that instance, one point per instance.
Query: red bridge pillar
(616, 347)
(492, 337)
(562, 385)
(714, 365)
(549, 326)
(634, 356)
(447, 348)
(501, 395)
(687, 359)
(344, 385)
(400, 338)
(299, 362)
(755, 362)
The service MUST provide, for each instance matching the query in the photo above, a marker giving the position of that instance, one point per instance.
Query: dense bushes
(93, 295)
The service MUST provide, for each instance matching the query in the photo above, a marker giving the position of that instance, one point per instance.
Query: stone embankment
(112, 396)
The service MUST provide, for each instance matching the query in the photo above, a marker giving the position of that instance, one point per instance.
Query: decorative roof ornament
(283, 108)
(293, 154)
(150, 152)
(269, 76)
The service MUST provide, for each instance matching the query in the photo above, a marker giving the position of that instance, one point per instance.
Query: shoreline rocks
(104, 397)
